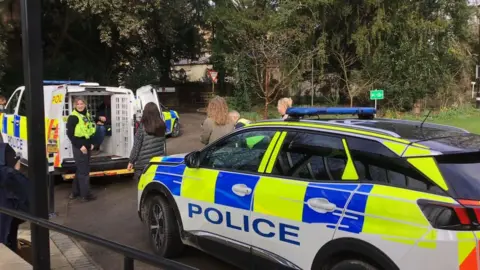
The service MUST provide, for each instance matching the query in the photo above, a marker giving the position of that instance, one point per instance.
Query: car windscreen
(462, 172)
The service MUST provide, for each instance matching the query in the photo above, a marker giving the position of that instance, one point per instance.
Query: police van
(126, 109)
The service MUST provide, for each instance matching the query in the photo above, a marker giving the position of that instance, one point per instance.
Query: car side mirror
(192, 160)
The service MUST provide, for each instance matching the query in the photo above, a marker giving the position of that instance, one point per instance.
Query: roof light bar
(312, 111)
(63, 82)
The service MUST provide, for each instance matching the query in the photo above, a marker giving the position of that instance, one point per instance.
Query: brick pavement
(65, 253)
(10, 260)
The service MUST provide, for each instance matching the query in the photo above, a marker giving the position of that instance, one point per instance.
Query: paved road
(114, 214)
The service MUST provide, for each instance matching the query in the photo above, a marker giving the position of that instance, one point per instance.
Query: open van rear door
(146, 94)
(53, 121)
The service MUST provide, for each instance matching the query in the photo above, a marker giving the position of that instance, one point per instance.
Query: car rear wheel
(162, 227)
(176, 129)
(353, 265)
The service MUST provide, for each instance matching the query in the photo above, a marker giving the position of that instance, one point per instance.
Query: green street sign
(376, 94)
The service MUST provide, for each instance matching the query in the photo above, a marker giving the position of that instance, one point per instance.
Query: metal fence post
(51, 195)
(128, 263)
(31, 11)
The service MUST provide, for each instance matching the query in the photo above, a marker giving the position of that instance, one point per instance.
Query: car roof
(437, 137)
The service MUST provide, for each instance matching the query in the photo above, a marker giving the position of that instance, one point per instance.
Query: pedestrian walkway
(10, 260)
(65, 254)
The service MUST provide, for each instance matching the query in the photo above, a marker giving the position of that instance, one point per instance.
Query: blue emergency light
(63, 82)
(296, 112)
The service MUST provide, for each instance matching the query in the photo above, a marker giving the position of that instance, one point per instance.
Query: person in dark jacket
(14, 194)
(149, 140)
(104, 122)
(80, 130)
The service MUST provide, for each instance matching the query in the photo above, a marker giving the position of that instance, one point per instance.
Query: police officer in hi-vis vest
(239, 122)
(80, 130)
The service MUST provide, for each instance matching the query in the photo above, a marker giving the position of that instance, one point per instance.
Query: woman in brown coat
(218, 123)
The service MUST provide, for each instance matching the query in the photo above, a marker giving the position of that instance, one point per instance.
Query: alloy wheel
(157, 226)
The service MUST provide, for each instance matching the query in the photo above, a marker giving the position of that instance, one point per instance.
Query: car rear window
(462, 172)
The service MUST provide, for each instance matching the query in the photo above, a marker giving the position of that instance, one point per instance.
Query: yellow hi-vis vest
(85, 127)
(243, 121)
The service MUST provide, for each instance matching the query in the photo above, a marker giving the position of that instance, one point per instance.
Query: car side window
(310, 156)
(375, 162)
(12, 103)
(240, 152)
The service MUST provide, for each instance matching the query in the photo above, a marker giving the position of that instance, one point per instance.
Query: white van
(58, 98)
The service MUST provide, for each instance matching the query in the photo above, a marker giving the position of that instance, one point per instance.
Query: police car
(334, 194)
(58, 99)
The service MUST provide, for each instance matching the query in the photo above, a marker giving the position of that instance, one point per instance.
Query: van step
(96, 159)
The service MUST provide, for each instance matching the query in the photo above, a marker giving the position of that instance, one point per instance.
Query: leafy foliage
(412, 49)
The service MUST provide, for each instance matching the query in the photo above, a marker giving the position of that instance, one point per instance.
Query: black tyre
(176, 129)
(353, 265)
(163, 231)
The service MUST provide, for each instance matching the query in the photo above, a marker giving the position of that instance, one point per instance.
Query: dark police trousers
(81, 183)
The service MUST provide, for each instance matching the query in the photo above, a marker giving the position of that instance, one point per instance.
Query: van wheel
(163, 230)
(176, 129)
(353, 265)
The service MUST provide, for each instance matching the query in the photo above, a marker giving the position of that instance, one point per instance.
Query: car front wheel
(163, 230)
(176, 129)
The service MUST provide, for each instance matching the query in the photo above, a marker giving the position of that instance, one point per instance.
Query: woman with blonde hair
(283, 105)
(81, 129)
(217, 123)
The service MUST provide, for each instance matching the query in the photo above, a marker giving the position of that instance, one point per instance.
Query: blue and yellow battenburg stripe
(170, 118)
(15, 126)
(388, 212)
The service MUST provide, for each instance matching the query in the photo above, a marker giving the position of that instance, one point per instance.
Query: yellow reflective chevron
(428, 166)
(268, 153)
(273, 158)
(406, 150)
(350, 173)
(466, 245)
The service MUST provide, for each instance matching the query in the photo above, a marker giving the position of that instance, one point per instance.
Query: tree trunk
(265, 110)
(351, 101)
(267, 95)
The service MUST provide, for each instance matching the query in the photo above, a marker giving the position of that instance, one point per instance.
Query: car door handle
(321, 205)
(241, 190)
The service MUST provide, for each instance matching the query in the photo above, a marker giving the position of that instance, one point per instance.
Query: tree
(269, 38)
(356, 81)
(153, 32)
(275, 67)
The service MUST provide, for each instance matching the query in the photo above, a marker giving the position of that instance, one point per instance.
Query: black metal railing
(129, 254)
